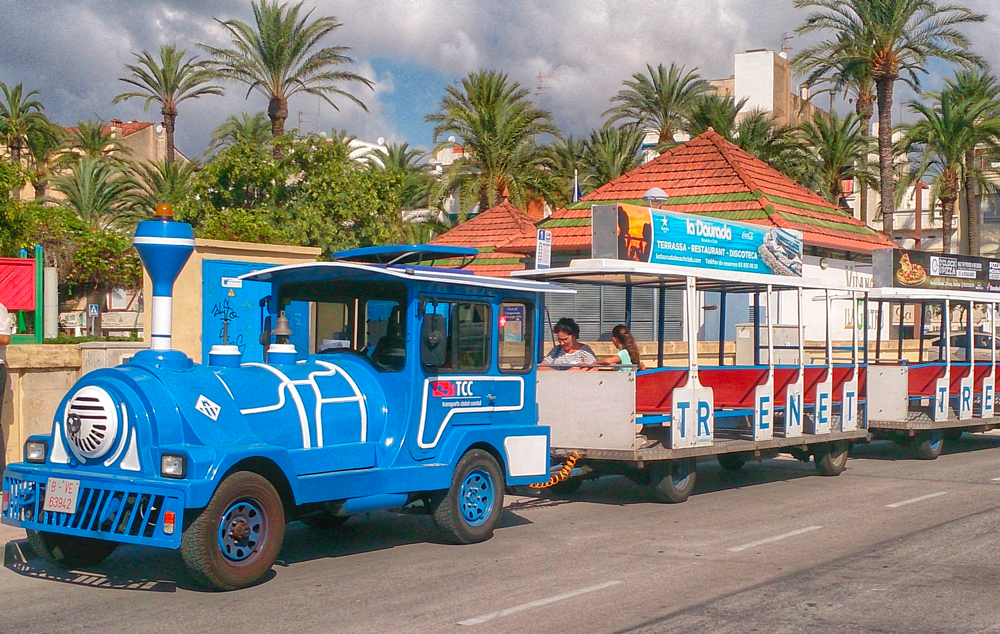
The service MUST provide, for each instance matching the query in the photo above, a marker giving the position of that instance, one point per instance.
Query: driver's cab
(367, 318)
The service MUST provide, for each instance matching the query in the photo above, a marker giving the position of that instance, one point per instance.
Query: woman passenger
(628, 350)
(570, 352)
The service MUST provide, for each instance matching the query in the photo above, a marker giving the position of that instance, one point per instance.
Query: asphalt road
(892, 545)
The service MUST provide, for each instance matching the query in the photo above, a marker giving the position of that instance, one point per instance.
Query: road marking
(919, 499)
(761, 542)
(995, 480)
(534, 604)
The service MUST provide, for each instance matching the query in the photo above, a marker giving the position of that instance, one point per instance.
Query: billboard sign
(651, 235)
(903, 268)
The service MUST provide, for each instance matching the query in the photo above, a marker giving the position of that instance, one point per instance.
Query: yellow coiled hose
(563, 473)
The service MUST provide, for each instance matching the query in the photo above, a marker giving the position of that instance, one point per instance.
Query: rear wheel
(236, 538)
(831, 457)
(70, 551)
(731, 461)
(930, 444)
(468, 512)
(953, 434)
(673, 481)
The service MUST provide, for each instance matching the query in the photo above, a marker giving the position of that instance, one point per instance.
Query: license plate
(61, 495)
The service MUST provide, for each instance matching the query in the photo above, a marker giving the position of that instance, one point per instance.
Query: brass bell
(282, 329)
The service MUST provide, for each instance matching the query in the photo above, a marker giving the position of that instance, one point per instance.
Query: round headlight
(90, 423)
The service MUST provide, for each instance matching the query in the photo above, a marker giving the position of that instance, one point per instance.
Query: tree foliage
(662, 99)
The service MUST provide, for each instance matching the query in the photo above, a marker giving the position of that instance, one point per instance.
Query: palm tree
(44, 145)
(852, 80)
(97, 192)
(497, 124)
(252, 129)
(94, 139)
(167, 81)
(568, 164)
(279, 56)
(972, 86)
(838, 150)
(19, 116)
(414, 179)
(778, 146)
(946, 131)
(714, 111)
(159, 182)
(895, 39)
(662, 100)
(611, 152)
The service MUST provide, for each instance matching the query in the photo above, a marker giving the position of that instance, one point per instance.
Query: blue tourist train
(419, 384)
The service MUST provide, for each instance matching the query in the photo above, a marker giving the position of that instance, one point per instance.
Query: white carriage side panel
(705, 416)
(763, 412)
(794, 409)
(965, 392)
(988, 398)
(588, 410)
(941, 398)
(819, 422)
(849, 406)
(888, 392)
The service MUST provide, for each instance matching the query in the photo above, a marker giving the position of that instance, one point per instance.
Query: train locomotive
(419, 385)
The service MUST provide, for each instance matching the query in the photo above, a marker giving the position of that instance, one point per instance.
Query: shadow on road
(160, 570)
(889, 450)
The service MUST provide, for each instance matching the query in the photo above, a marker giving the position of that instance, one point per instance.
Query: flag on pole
(577, 194)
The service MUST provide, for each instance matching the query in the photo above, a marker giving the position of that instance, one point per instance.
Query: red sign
(17, 283)
(443, 389)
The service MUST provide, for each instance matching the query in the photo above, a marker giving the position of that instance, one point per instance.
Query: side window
(385, 333)
(516, 330)
(455, 336)
(333, 326)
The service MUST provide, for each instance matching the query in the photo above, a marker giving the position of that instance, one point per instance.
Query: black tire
(831, 457)
(929, 445)
(70, 551)
(324, 521)
(468, 512)
(731, 461)
(566, 487)
(247, 551)
(952, 434)
(673, 480)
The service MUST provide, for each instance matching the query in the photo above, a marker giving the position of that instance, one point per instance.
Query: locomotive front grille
(103, 511)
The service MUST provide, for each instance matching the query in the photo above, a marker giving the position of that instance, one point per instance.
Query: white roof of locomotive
(324, 271)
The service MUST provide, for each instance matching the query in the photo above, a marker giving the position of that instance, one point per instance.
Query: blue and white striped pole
(164, 247)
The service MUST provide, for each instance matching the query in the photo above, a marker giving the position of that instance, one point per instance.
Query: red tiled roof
(487, 231)
(127, 128)
(710, 176)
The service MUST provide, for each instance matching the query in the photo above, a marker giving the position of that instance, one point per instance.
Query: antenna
(541, 87)
(302, 119)
(785, 39)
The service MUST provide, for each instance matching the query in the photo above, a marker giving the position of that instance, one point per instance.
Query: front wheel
(930, 445)
(673, 481)
(236, 538)
(70, 551)
(831, 457)
(468, 512)
(731, 461)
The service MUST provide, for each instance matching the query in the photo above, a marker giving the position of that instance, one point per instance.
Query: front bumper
(109, 508)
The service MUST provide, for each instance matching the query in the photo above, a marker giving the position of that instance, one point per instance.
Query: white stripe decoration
(179, 242)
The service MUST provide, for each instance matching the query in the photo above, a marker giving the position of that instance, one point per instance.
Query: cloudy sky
(577, 51)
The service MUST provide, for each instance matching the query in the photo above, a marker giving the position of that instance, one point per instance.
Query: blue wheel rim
(934, 440)
(477, 497)
(242, 530)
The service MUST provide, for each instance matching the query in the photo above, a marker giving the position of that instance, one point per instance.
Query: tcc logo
(450, 389)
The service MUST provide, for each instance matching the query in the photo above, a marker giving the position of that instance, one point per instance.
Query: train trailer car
(652, 425)
(925, 394)
(415, 388)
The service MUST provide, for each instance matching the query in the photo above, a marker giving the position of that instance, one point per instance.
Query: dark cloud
(73, 51)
